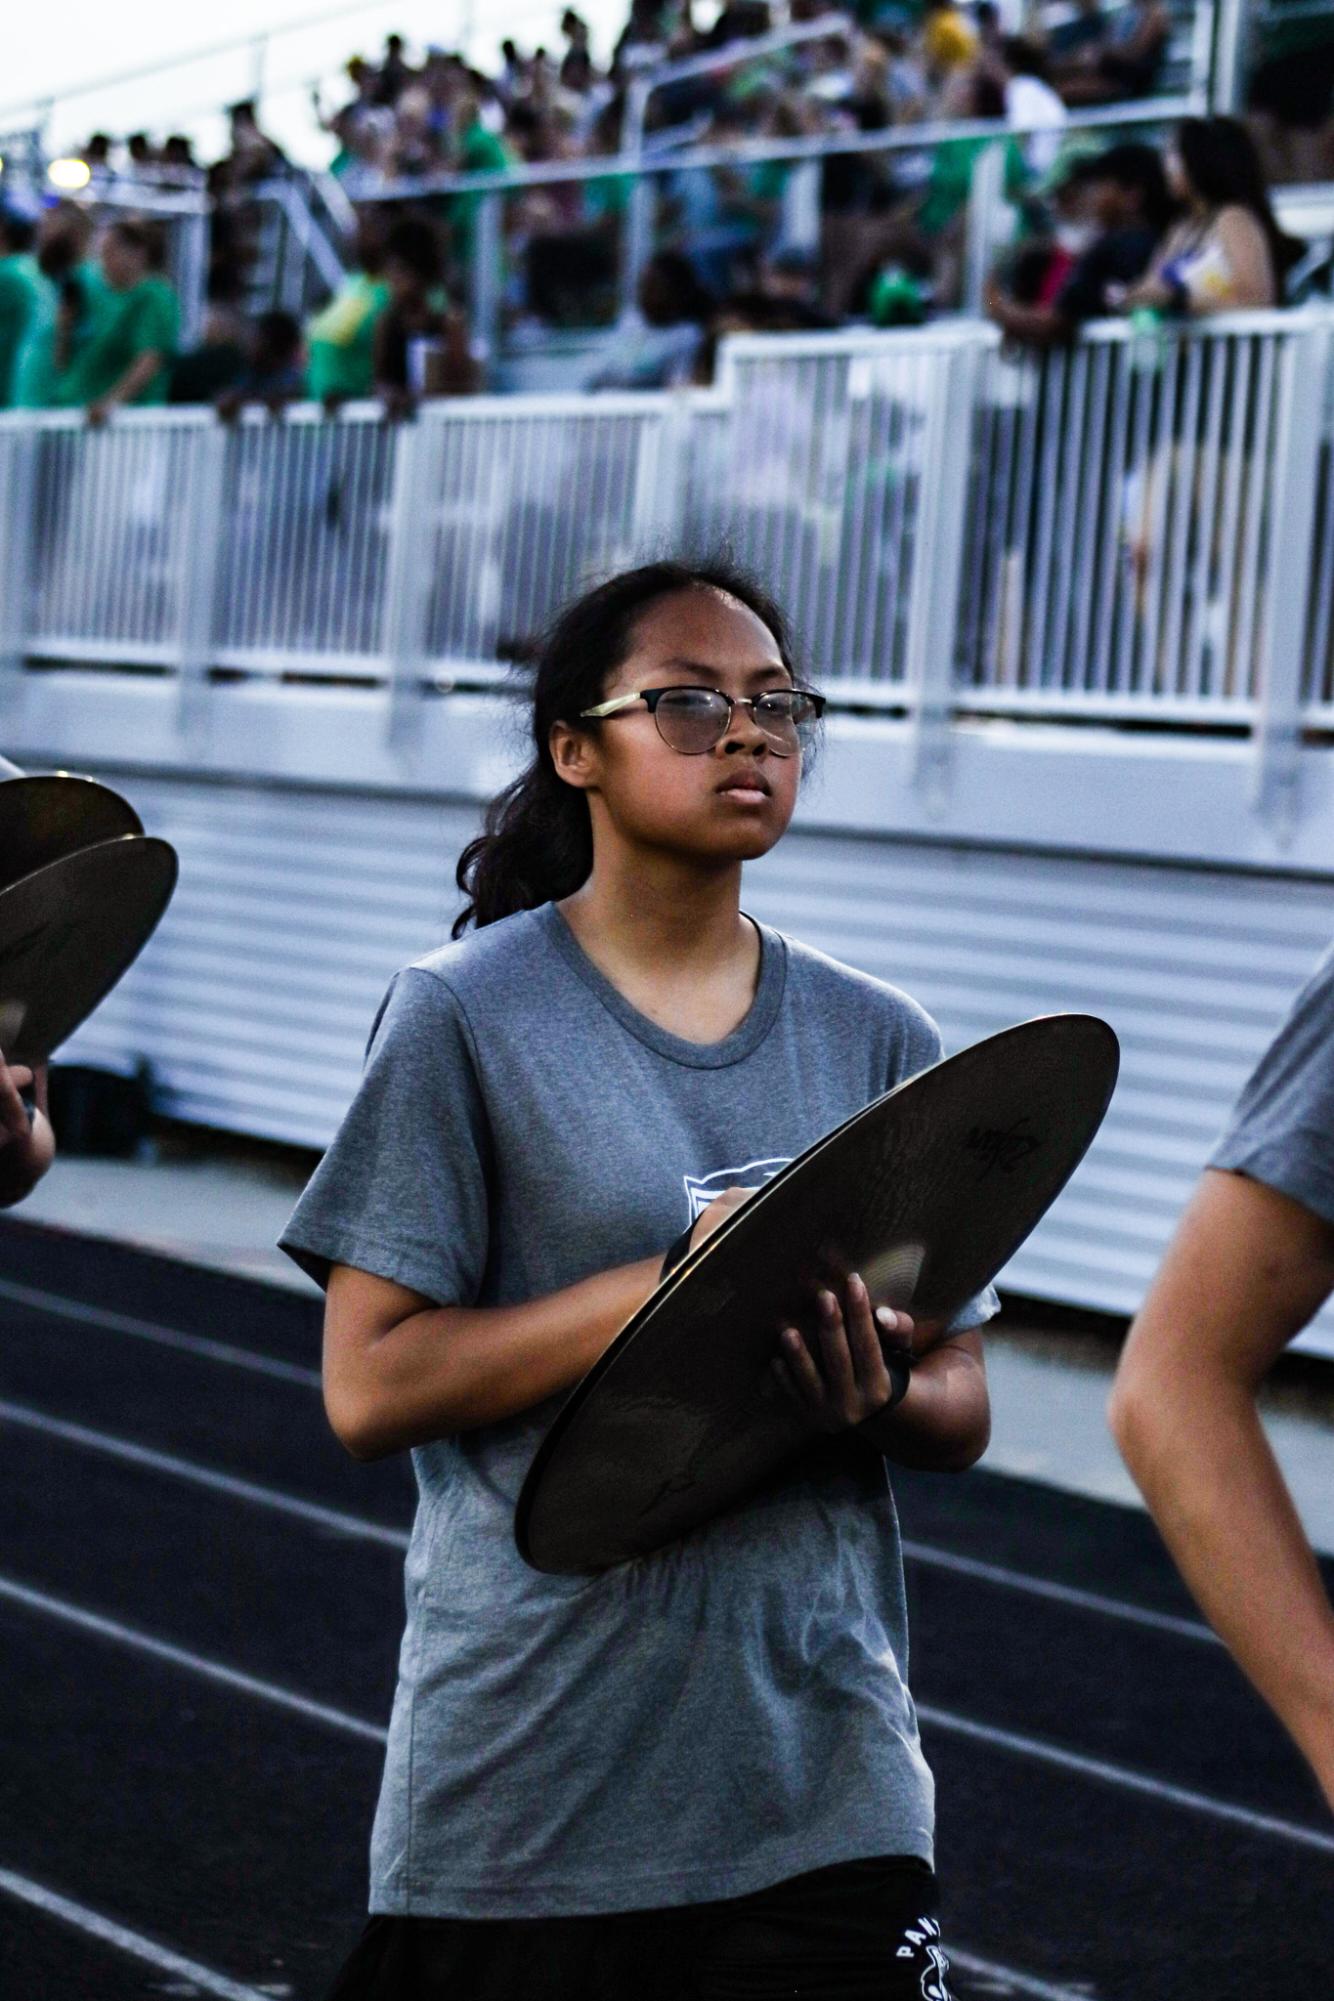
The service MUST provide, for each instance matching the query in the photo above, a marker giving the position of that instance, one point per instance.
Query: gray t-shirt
(1282, 1128)
(726, 1713)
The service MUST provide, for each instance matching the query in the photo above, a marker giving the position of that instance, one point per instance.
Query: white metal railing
(1132, 531)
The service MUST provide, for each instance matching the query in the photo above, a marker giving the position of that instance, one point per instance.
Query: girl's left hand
(850, 1382)
(15, 1125)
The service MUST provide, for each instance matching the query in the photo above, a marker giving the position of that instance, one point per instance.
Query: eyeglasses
(692, 720)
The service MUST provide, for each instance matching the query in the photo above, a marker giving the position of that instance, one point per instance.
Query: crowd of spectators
(742, 245)
(885, 65)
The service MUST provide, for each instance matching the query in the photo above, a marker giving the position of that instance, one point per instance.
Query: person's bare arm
(1245, 1271)
(399, 1370)
(136, 378)
(944, 1422)
(1247, 250)
(1033, 326)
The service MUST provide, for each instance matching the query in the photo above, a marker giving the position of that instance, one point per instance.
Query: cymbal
(69, 931)
(928, 1193)
(51, 814)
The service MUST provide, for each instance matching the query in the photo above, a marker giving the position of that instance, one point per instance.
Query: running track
(199, 1607)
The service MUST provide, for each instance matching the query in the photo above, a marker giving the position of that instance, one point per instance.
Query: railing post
(1290, 504)
(410, 574)
(985, 196)
(1231, 21)
(203, 518)
(18, 492)
(484, 302)
(937, 569)
(658, 514)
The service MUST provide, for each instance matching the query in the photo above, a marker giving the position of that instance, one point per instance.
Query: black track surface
(233, 1831)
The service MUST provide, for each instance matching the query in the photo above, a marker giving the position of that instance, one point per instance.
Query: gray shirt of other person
(1282, 1128)
(732, 1710)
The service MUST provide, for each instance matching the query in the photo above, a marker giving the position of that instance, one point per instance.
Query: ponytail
(536, 844)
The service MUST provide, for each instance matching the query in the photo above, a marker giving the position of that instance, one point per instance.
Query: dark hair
(1025, 57)
(415, 241)
(537, 839)
(1224, 169)
(1136, 168)
(135, 235)
(18, 230)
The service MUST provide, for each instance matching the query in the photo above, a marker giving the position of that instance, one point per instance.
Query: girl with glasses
(697, 1775)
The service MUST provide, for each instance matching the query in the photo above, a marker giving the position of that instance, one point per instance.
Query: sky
(91, 41)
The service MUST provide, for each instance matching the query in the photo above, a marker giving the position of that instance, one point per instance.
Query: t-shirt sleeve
(403, 1190)
(1282, 1128)
(157, 322)
(923, 1046)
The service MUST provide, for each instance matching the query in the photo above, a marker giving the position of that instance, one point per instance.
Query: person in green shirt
(68, 282)
(133, 332)
(477, 151)
(20, 291)
(340, 341)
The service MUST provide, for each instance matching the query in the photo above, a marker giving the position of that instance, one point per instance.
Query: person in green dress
(20, 290)
(134, 330)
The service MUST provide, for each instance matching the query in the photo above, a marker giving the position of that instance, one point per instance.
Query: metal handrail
(642, 85)
(748, 152)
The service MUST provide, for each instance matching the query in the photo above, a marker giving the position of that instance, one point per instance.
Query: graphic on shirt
(921, 1937)
(701, 1189)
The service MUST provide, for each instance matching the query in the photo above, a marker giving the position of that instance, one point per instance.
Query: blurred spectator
(395, 71)
(949, 41)
(126, 353)
(421, 343)
(272, 368)
(659, 346)
(1291, 95)
(868, 215)
(1032, 104)
(1124, 61)
(253, 156)
(1227, 253)
(340, 340)
(217, 363)
(97, 156)
(70, 282)
(925, 238)
(20, 293)
(1112, 210)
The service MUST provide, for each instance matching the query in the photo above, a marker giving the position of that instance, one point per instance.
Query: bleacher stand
(877, 235)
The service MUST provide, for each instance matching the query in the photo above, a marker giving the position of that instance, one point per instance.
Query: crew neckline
(746, 1037)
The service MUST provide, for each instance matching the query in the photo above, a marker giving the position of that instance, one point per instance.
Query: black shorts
(858, 1931)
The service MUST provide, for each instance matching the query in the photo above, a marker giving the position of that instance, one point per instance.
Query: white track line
(932, 1558)
(144, 1643)
(202, 1476)
(165, 1337)
(124, 1940)
(1006, 1976)
(1122, 1776)
(358, 1526)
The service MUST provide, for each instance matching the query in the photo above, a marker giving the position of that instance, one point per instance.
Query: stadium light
(69, 175)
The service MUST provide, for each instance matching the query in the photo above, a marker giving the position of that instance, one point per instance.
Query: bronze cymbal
(49, 814)
(927, 1193)
(69, 931)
